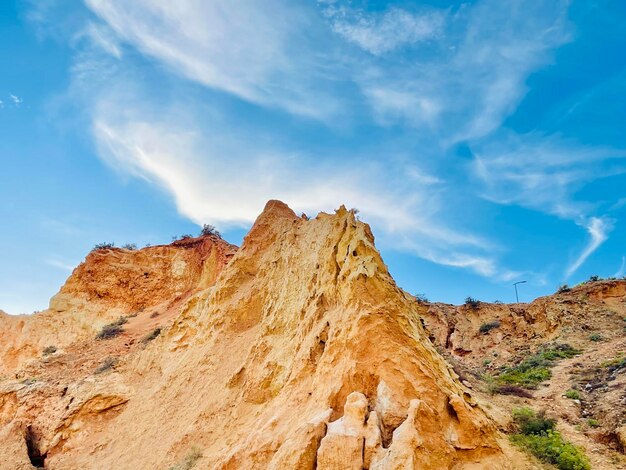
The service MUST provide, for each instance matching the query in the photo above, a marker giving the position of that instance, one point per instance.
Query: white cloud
(245, 48)
(209, 188)
(472, 77)
(379, 33)
(16, 100)
(598, 229)
(542, 172)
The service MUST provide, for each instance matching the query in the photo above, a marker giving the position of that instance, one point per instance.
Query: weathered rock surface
(109, 284)
(302, 353)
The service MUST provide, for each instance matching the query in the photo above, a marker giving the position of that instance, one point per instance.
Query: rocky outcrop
(475, 332)
(109, 284)
(303, 354)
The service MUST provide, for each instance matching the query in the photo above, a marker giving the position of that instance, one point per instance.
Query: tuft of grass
(108, 364)
(537, 435)
(112, 329)
(487, 327)
(593, 423)
(553, 449)
(472, 303)
(49, 350)
(595, 337)
(572, 394)
(421, 298)
(103, 246)
(130, 246)
(514, 390)
(536, 368)
(151, 336)
(189, 461)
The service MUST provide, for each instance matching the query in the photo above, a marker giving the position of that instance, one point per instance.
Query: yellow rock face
(303, 354)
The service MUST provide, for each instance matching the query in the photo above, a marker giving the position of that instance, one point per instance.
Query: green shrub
(595, 337)
(421, 298)
(209, 230)
(472, 303)
(487, 327)
(189, 461)
(593, 423)
(572, 394)
(49, 350)
(129, 246)
(108, 364)
(550, 447)
(536, 368)
(593, 278)
(529, 422)
(151, 336)
(563, 288)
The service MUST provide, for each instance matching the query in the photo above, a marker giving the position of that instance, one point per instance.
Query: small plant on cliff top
(472, 303)
(421, 298)
(129, 246)
(103, 246)
(208, 229)
(563, 288)
(593, 278)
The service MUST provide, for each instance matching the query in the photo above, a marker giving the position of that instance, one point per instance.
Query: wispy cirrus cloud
(441, 76)
(379, 33)
(598, 229)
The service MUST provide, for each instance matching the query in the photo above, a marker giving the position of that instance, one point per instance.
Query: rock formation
(299, 351)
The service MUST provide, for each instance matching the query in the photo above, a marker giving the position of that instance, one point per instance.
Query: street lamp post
(515, 284)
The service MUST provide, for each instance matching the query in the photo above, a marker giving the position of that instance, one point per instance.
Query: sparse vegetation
(103, 246)
(189, 461)
(487, 327)
(185, 236)
(112, 329)
(593, 278)
(593, 423)
(472, 303)
(595, 337)
(209, 230)
(572, 394)
(49, 350)
(536, 368)
(616, 363)
(513, 390)
(108, 364)
(537, 435)
(563, 288)
(151, 336)
(129, 246)
(421, 298)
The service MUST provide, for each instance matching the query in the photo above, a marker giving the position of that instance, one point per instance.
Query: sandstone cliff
(302, 353)
(109, 284)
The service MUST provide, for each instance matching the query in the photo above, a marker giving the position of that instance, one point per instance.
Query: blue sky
(483, 141)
